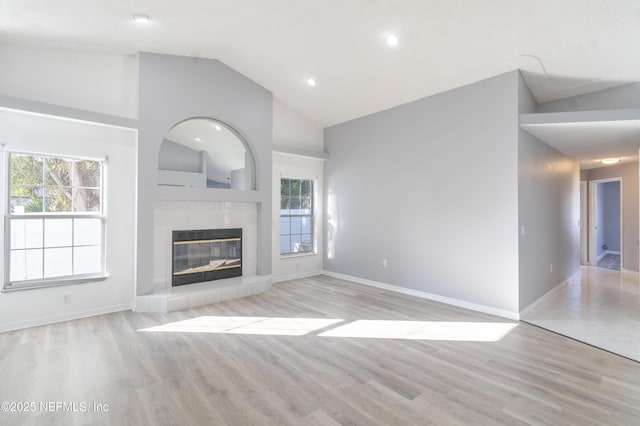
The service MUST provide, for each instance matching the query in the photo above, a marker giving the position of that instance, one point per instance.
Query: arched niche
(205, 153)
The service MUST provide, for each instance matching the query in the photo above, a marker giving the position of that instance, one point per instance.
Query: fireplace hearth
(206, 255)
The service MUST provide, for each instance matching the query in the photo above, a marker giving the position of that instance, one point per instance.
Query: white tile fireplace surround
(186, 215)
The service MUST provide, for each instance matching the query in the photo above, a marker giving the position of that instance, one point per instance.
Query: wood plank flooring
(268, 360)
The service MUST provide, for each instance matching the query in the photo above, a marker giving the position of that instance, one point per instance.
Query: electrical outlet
(66, 299)
(385, 262)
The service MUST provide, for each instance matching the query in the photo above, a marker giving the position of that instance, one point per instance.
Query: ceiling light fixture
(392, 40)
(197, 139)
(608, 161)
(311, 81)
(141, 18)
(218, 127)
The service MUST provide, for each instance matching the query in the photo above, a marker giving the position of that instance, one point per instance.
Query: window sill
(293, 255)
(54, 282)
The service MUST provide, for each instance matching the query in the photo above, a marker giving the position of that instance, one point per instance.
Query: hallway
(597, 306)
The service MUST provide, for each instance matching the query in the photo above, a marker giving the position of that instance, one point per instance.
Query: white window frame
(8, 217)
(312, 217)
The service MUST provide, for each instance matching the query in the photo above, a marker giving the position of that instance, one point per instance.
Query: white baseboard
(611, 252)
(547, 295)
(67, 316)
(429, 296)
(296, 276)
(600, 256)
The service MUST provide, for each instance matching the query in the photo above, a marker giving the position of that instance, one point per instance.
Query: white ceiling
(590, 142)
(564, 47)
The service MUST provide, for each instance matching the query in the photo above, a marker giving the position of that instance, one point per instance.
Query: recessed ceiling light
(392, 40)
(218, 127)
(141, 18)
(197, 139)
(608, 161)
(311, 81)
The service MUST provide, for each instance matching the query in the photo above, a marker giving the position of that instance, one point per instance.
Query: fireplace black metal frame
(203, 235)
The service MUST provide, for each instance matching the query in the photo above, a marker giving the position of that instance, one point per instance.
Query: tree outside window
(296, 216)
(56, 219)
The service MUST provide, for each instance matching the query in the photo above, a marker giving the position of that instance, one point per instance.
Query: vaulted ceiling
(564, 47)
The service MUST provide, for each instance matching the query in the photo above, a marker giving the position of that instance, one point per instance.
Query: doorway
(605, 223)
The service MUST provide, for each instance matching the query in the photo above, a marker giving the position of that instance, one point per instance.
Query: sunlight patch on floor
(369, 329)
(424, 330)
(246, 325)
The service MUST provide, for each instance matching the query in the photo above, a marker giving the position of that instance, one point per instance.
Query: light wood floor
(237, 363)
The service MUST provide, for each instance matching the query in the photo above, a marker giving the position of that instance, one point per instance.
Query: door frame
(593, 220)
(584, 223)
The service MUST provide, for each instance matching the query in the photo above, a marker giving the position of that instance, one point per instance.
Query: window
(296, 216)
(55, 220)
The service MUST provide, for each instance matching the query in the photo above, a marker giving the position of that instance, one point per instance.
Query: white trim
(593, 234)
(621, 240)
(584, 222)
(429, 296)
(25, 284)
(299, 254)
(600, 256)
(296, 276)
(43, 109)
(612, 252)
(298, 152)
(65, 317)
(542, 118)
(547, 295)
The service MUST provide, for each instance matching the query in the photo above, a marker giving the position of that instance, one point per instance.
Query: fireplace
(206, 255)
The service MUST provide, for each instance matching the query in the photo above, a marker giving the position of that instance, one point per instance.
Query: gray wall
(611, 207)
(629, 174)
(621, 97)
(432, 187)
(173, 156)
(174, 88)
(548, 213)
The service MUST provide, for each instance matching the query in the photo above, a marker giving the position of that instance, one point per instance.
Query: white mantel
(186, 215)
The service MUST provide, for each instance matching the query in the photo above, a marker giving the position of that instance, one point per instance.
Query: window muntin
(55, 220)
(296, 216)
